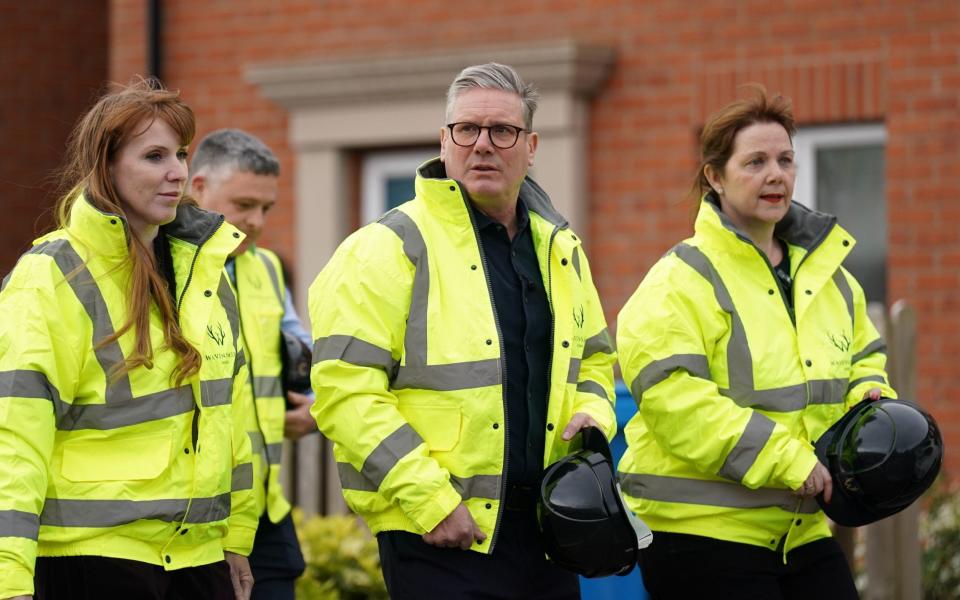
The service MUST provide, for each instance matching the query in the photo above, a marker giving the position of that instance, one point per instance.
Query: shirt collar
(483, 221)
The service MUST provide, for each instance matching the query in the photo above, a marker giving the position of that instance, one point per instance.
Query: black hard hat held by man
(882, 456)
(584, 523)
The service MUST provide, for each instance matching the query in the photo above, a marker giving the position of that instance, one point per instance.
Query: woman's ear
(714, 178)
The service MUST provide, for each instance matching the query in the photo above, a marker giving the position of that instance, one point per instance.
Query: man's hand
(873, 393)
(240, 575)
(818, 481)
(457, 530)
(577, 422)
(20, 598)
(298, 422)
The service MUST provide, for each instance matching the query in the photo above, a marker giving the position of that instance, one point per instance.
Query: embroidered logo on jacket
(578, 316)
(841, 342)
(218, 336)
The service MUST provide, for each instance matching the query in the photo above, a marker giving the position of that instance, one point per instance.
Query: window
(387, 179)
(841, 172)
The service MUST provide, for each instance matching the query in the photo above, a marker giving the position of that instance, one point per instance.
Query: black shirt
(523, 312)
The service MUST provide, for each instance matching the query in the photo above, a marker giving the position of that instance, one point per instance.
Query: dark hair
(122, 114)
(233, 150)
(721, 129)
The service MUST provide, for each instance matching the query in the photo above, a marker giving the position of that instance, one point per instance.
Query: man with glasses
(460, 346)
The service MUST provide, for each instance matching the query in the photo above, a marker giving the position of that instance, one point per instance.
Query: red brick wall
(52, 62)
(841, 61)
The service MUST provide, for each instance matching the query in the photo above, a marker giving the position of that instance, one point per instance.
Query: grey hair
(234, 150)
(494, 76)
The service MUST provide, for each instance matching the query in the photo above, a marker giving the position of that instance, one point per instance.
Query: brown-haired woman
(742, 345)
(125, 472)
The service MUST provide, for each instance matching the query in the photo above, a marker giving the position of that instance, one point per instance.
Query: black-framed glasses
(501, 135)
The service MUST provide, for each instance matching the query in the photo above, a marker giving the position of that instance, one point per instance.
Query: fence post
(893, 545)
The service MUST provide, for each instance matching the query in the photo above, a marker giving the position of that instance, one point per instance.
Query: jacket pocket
(128, 459)
(439, 426)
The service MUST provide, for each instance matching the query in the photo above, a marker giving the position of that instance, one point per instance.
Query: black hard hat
(584, 524)
(882, 455)
(297, 359)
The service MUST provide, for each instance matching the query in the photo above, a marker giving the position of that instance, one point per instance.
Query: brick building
(350, 92)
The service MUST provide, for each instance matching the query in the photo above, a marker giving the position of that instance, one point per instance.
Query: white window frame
(377, 167)
(808, 140)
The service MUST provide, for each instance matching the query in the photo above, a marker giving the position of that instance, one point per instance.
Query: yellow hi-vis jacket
(732, 388)
(408, 363)
(131, 467)
(260, 296)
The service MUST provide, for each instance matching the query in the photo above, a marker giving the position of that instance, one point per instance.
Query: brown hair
(721, 129)
(123, 113)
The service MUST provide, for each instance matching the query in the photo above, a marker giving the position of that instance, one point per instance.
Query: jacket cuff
(800, 468)
(430, 513)
(15, 580)
(855, 395)
(239, 539)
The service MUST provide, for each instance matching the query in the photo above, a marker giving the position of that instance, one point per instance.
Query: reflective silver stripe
(602, 342)
(663, 488)
(151, 407)
(876, 345)
(267, 386)
(844, 286)
(792, 397)
(384, 457)
(573, 372)
(827, 391)
(415, 340)
(755, 435)
(242, 477)
(739, 360)
(456, 376)
(239, 361)
(23, 383)
(109, 356)
(69, 417)
(658, 370)
(60, 512)
(871, 378)
(229, 301)
(352, 479)
(478, 486)
(592, 387)
(17, 523)
(575, 259)
(274, 276)
(257, 444)
(354, 351)
(274, 453)
(216, 392)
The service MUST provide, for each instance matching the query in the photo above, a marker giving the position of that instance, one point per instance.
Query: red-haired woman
(125, 472)
(742, 345)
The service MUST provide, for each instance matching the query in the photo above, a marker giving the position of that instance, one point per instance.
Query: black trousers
(517, 569)
(101, 577)
(276, 560)
(690, 566)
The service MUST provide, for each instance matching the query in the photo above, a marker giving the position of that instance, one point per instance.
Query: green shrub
(940, 532)
(342, 559)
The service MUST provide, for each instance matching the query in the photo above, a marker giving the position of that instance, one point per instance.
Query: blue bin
(629, 586)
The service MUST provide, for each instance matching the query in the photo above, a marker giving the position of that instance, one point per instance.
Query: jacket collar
(801, 226)
(432, 182)
(108, 233)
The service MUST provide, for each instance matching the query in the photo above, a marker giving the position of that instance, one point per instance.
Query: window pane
(850, 185)
(399, 190)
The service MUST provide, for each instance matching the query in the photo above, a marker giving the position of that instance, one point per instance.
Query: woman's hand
(818, 481)
(873, 393)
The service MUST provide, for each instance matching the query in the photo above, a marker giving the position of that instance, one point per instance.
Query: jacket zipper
(503, 367)
(193, 263)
